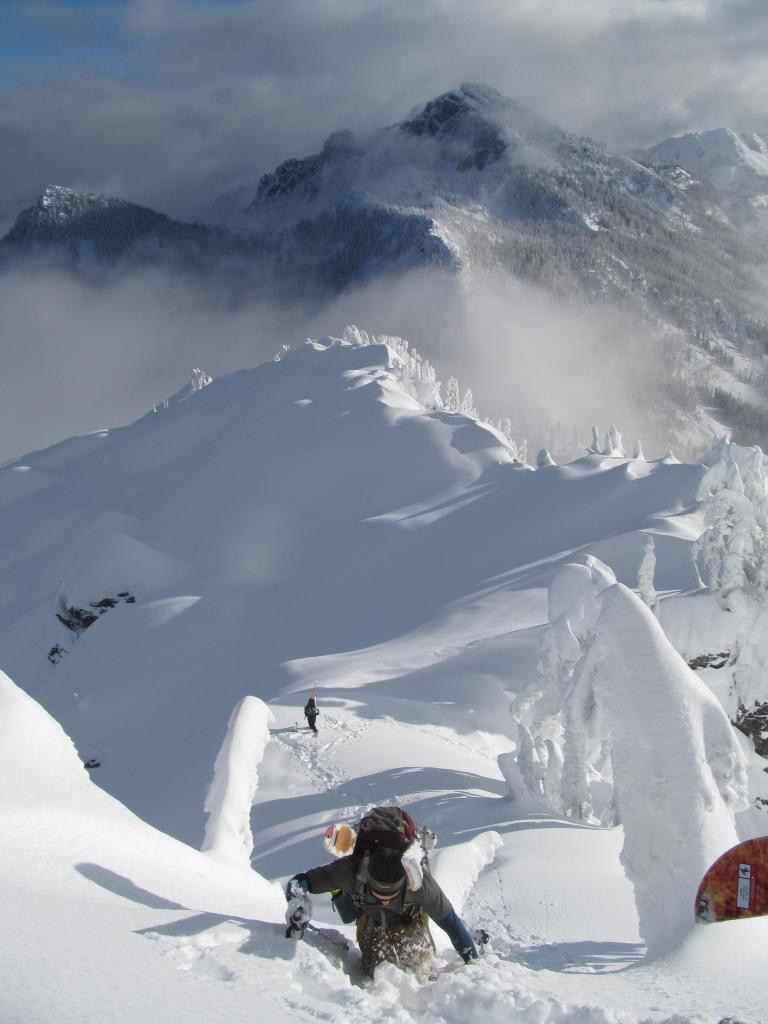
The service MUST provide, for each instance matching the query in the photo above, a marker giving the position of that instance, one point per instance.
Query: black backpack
(387, 827)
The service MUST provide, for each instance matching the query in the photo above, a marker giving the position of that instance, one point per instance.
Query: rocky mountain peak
(444, 112)
(477, 125)
(467, 115)
(305, 177)
(59, 207)
(58, 204)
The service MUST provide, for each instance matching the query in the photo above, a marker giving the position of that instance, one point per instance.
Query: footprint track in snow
(314, 751)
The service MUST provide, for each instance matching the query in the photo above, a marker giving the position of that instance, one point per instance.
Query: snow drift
(322, 523)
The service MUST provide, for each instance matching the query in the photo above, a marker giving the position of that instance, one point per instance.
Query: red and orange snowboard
(736, 885)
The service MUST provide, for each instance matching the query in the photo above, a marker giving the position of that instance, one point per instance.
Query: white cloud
(79, 357)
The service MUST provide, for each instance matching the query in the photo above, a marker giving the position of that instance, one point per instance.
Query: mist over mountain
(474, 188)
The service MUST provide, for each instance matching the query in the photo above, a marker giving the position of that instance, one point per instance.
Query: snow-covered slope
(727, 159)
(309, 523)
(254, 508)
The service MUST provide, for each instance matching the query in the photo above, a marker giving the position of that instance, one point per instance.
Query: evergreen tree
(645, 573)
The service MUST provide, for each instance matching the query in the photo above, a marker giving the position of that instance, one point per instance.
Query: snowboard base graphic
(339, 840)
(736, 885)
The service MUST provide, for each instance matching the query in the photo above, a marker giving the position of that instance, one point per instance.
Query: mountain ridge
(470, 182)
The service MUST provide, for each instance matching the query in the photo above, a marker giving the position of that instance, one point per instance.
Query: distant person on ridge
(311, 711)
(390, 892)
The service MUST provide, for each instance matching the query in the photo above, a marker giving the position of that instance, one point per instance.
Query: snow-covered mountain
(474, 184)
(172, 591)
(471, 180)
(98, 236)
(724, 158)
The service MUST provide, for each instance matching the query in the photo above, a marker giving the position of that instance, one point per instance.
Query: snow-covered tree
(733, 549)
(354, 336)
(467, 406)
(199, 379)
(543, 458)
(637, 452)
(416, 376)
(452, 400)
(613, 445)
(645, 573)
(614, 702)
(594, 447)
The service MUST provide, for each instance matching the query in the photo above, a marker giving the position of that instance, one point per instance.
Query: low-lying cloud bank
(79, 357)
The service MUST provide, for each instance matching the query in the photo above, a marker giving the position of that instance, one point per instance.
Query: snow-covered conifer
(199, 379)
(613, 444)
(637, 451)
(733, 548)
(645, 573)
(354, 336)
(594, 447)
(452, 400)
(543, 458)
(467, 406)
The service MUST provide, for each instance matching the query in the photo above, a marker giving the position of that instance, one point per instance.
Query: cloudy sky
(168, 102)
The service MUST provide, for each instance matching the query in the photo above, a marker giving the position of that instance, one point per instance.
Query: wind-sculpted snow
(235, 780)
(70, 837)
(458, 868)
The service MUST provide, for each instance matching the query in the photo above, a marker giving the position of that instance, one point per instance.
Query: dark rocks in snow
(460, 116)
(56, 653)
(304, 176)
(77, 620)
(754, 723)
(710, 660)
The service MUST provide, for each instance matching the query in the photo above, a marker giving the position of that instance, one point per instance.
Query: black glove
(468, 954)
(299, 883)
